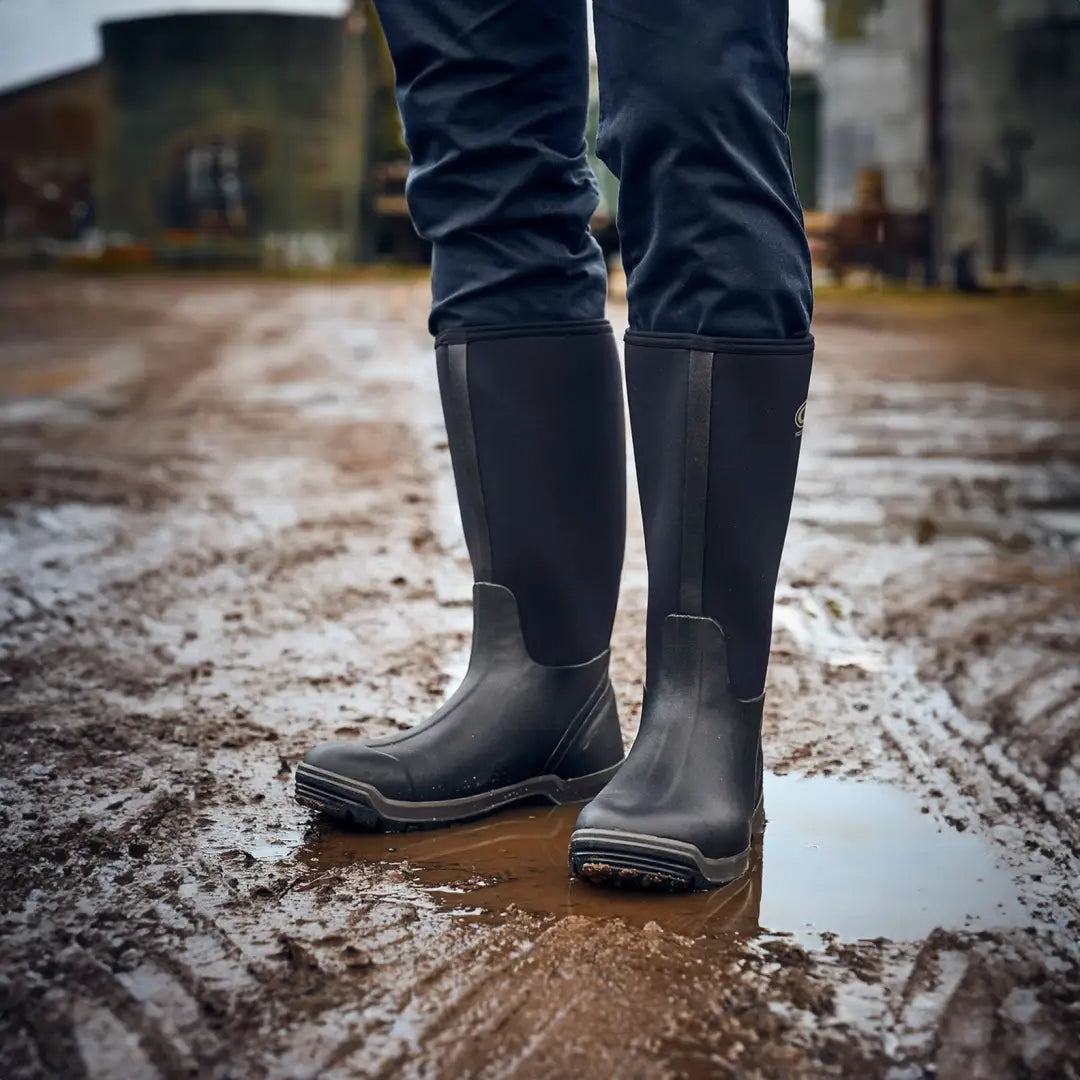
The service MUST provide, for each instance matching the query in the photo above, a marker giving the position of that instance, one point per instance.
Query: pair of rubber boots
(534, 418)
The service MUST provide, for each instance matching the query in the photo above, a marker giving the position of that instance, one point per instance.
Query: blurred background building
(50, 136)
(209, 138)
(247, 131)
(931, 139)
(953, 126)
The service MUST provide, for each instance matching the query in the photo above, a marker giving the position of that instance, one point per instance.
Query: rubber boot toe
(681, 811)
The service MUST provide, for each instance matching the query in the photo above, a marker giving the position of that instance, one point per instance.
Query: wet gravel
(227, 530)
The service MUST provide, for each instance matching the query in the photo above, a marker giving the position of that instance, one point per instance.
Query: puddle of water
(274, 848)
(854, 859)
(518, 859)
(861, 860)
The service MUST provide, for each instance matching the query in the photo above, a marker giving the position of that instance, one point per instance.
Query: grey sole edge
(639, 861)
(363, 805)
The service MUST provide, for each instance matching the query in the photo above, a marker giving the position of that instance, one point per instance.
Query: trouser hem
(463, 335)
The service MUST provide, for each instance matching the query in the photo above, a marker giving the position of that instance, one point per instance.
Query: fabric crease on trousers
(493, 96)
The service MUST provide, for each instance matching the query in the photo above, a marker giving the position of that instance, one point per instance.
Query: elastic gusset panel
(657, 381)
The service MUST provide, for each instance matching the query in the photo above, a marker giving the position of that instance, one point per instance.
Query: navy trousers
(493, 96)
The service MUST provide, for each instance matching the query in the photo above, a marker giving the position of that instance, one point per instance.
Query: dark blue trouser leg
(693, 116)
(693, 105)
(493, 96)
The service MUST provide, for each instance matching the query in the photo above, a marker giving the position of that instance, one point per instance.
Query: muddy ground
(227, 530)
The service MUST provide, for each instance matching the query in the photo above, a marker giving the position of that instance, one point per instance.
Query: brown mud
(227, 530)
(842, 858)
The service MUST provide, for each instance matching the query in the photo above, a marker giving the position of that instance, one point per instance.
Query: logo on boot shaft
(800, 417)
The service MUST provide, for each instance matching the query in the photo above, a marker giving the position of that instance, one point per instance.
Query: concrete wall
(246, 129)
(1012, 128)
(874, 101)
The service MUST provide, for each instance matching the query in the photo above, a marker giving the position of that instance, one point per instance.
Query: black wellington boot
(534, 419)
(716, 426)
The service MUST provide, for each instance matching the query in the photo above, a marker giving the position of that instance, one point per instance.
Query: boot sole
(627, 860)
(366, 807)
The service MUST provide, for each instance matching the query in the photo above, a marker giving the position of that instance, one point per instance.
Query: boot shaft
(717, 426)
(534, 419)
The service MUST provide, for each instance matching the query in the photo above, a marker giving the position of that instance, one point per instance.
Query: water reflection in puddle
(839, 857)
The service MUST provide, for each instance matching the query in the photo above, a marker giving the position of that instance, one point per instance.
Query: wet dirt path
(227, 530)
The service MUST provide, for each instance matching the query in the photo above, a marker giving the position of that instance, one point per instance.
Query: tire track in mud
(973, 750)
(301, 575)
(156, 595)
